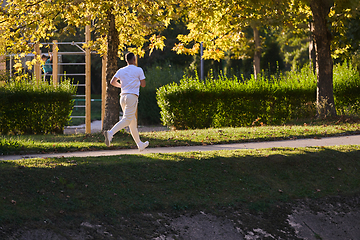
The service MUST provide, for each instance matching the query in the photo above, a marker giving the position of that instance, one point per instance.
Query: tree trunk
(324, 64)
(112, 105)
(257, 54)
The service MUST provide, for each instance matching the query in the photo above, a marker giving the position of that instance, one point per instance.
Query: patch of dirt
(329, 218)
(339, 219)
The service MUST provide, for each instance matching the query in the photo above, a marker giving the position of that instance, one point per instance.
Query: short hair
(43, 56)
(130, 57)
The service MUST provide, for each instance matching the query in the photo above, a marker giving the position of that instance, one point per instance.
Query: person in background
(47, 69)
(128, 79)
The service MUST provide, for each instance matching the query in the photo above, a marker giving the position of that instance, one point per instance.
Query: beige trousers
(128, 103)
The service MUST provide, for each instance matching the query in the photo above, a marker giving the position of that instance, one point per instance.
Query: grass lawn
(100, 189)
(22, 144)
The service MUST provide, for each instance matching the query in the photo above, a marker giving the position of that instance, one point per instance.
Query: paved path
(331, 141)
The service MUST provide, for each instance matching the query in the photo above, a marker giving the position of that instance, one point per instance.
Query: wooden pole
(2, 63)
(103, 89)
(55, 63)
(257, 55)
(11, 66)
(87, 82)
(201, 61)
(2, 57)
(2, 67)
(37, 68)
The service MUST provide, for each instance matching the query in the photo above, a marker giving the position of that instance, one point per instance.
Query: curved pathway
(329, 141)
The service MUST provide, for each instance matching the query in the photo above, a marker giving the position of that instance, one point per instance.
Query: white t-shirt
(130, 77)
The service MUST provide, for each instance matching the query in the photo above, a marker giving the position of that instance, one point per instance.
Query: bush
(156, 76)
(347, 89)
(226, 101)
(30, 108)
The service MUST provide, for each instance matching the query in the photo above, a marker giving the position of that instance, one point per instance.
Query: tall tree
(112, 107)
(117, 27)
(221, 26)
(325, 15)
(324, 64)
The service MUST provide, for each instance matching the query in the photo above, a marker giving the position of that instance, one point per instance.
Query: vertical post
(2, 63)
(37, 67)
(2, 67)
(201, 61)
(103, 88)
(2, 56)
(55, 63)
(257, 55)
(87, 81)
(11, 65)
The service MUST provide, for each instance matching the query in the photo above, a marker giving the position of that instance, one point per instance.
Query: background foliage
(156, 76)
(284, 44)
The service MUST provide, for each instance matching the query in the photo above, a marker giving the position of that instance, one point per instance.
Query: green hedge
(156, 76)
(347, 89)
(225, 102)
(30, 108)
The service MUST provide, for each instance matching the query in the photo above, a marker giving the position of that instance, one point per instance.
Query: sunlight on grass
(21, 144)
(44, 163)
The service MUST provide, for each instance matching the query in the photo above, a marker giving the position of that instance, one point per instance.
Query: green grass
(22, 144)
(65, 192)
(102, 189)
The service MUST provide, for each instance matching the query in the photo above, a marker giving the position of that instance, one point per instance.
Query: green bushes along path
(224, 102)
(30, 108)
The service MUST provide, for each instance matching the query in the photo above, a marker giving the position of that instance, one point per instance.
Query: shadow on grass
(106, 187)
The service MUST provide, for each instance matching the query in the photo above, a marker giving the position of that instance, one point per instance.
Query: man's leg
(128, 104)
(135, 134)
(134, 130)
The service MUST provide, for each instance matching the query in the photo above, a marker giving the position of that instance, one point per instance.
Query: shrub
(30, 108)
(156, 76)
(347, 89)
(226, 101)
(232, 102)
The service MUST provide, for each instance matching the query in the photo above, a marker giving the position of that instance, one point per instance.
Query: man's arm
(115, 83)
(142, 83)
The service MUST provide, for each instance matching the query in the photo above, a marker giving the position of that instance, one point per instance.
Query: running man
(128, 79)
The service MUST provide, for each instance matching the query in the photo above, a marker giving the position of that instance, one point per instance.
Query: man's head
(130, 58)
(43, 57)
